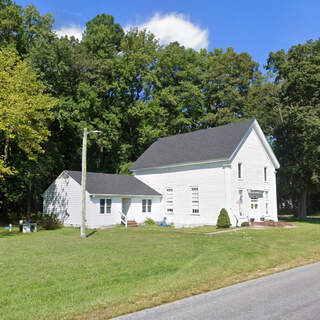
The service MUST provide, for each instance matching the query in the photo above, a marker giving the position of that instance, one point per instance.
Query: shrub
(150, 222)
(49, 221)
(245, 224)
(223, 219)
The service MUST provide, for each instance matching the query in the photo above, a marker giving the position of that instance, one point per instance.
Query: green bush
(49, 221)
(245, 224)
(223, 219)
(150, 222)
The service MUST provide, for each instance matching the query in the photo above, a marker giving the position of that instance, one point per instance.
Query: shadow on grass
(91, 233)
(6, 233)
(309, 219)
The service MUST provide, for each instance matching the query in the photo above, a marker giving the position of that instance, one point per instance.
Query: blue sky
(257, 27)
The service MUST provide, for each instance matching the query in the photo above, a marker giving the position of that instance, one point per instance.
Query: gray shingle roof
(103, 183)
(207, 144)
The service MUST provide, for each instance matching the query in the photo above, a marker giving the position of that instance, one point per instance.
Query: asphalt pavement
(292, 294)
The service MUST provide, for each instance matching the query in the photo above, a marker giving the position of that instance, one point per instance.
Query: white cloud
(71, 30)
(175, 27)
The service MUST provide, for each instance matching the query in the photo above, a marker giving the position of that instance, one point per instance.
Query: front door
(125, 205)
(254, 208)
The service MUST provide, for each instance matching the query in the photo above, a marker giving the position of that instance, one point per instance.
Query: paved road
(293, 294)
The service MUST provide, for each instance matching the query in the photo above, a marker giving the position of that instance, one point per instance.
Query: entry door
(254, 208)
(125, 205)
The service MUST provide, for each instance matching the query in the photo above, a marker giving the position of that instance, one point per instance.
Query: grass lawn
(56, 275)
(202, 229)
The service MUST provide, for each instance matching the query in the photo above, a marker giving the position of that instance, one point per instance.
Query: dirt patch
(275, 224)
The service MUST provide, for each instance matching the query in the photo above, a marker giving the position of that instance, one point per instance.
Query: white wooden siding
(210, 180)
(218, 185)
(135, 210)
(63, 198)
(254, 159)
(95, 219)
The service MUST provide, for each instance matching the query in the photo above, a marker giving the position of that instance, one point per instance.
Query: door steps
(132, 223)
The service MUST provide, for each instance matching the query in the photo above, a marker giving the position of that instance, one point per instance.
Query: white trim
(105, 206)
(182, 164)
(255, 125)
(147, 205)
(64, 171)
(256, 191)
(266, 145)
(96, 195)
(244, 138)
(169, 196)
(197, 206)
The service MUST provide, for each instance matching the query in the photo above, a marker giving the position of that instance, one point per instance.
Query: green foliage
(22, 28)
(150, 222)
(223, 219)
(102, 36)
(125, 169)
(298, 129)
(24, 110)
(134, 91)
(49, 221)
(245, 224)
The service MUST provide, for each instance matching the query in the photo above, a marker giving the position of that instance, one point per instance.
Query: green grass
(56, 275)
(202, 229)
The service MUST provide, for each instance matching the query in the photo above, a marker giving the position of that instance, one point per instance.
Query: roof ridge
(200, 145)
(203, 129)
(104, 173)
(108, 183)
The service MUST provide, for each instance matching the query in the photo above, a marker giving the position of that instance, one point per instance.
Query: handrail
(123, 219)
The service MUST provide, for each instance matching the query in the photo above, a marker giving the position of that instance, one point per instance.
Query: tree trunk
(6, 150)
(4, 210)
(101, 162)
(303, 206)
(4, 200)
(29, 202)
(280, 113)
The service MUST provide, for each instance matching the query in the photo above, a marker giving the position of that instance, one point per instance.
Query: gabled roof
(202, 145)
(105, 184)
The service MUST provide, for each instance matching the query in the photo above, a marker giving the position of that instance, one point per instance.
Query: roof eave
(99, 195)
(266, 145)
(264, 141)
(221, 160)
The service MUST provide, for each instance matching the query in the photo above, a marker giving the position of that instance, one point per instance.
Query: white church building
(187, 178)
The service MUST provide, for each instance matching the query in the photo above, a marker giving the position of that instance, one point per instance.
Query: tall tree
(297, 141)
(178, 87)
(228, 82)
(21, 27)
(102, 36)
(24, 112)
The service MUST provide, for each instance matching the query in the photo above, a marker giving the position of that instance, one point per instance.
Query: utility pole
(84, 180)
(83, 183)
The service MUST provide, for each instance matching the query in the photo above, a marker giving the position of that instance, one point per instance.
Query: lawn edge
(105, 313)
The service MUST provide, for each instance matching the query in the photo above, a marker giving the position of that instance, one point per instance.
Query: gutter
(96, 195)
